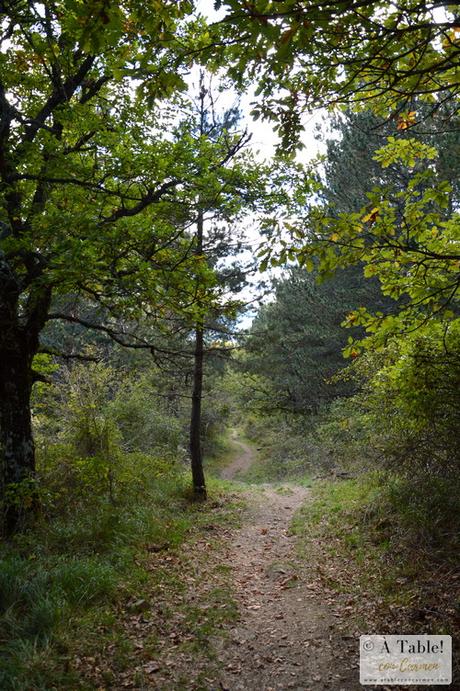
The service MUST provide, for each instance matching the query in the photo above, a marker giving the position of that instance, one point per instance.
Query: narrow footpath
(285, 638)
(243, 458)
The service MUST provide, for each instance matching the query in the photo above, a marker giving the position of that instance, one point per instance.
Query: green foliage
(391, 538)
(99, 161)
(284, 450)
(63, 582)
(88, 436)
(331, 54)
(342, 438)
(99, 434)
(85, 418)
(216, 413)
(405, 412)
(142, 417)
(96, 200)
(351, 139)
(397, 527)
(107, 428)
(404, 238)
(417, 386)
(295, 342)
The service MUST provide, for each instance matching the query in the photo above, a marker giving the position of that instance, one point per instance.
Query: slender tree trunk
(196, 454)
(17, 451)
(199, 485)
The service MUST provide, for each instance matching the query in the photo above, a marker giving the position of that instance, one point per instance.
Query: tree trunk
(17, 451)
(199, 485)
(196, 453)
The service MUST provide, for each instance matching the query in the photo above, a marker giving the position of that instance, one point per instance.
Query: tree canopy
(95, 199)
(105, 172)
(295, 342)
(305, 54)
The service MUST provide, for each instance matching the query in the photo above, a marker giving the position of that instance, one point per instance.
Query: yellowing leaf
(287, 35)
(371, 216)
(405, 120)
(369, 270)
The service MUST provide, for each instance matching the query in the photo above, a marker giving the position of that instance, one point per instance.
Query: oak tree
(87, 183)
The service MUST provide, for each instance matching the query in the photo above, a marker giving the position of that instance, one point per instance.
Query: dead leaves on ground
(162, 638)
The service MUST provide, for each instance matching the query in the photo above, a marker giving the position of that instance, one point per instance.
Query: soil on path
(286, 638)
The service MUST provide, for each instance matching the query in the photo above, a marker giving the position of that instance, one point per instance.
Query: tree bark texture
(196, 453)
(19, 342)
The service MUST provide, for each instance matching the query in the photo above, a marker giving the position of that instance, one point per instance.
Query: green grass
(284, 452)
(374, 534)
(66, 582)
(334, 515)
(221, 454)
(264, 470)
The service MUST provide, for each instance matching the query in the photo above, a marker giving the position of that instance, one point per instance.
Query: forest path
(286, 636)
(244, 457)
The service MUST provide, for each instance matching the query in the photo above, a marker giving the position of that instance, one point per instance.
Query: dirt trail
(286, 638)
(243, 460)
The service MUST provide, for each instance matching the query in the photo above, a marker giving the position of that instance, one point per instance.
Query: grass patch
(221, 454)
(392, 551)
(75, 589)
(284, 450)
(265, 469)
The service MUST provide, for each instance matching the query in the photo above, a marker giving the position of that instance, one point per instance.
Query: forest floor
(245, 604)
(263, 587)
(240, 609)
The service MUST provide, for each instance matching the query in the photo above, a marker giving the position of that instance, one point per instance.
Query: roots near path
(286, 637)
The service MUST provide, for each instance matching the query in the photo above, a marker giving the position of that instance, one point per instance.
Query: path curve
(243, 460)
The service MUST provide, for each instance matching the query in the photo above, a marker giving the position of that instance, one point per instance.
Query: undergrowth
(63, 581)
(284, 449)
(219, 455)
(375, 535)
